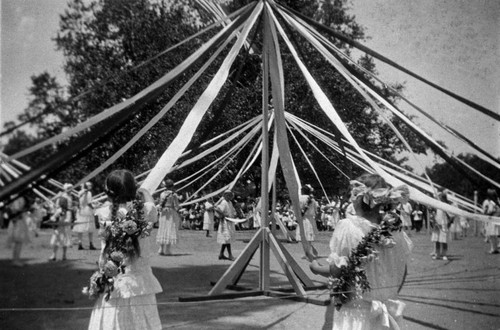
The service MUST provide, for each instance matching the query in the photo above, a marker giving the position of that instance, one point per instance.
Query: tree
(103, 40)
(445, 175)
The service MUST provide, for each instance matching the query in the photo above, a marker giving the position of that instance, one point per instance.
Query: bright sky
(453, 43)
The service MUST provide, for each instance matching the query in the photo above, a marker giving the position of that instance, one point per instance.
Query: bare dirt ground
(462, 293)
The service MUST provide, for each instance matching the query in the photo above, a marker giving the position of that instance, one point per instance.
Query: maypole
(264, 189)
(264, 238)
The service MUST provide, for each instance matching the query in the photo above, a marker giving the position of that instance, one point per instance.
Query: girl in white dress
(441, 231)
(226, 231)
(309, 208)
(491, 206)
(132, 302)
(17, 232)
(376, 308)
(170, 219)
(85, 222)
(405, 209)
(208, 216)
(62, 220)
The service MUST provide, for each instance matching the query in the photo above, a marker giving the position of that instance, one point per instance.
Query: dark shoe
(222, 258)
(52, 259)
(92, 247)
(80, 247)
(494, 252)
(230, 258)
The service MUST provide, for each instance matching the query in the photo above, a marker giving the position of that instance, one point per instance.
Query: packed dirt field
(461, 293)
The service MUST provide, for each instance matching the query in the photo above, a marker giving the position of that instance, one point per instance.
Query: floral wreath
(126, 227)
(378, 196)
(352, 281)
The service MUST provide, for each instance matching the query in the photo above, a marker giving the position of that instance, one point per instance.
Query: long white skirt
(308, 229)
(138, 312)
(168, 227)
(225, 232)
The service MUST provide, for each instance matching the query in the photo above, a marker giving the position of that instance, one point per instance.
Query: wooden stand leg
(238, 265)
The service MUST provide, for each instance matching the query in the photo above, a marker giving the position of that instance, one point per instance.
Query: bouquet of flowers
(352, 282)
(121, 239)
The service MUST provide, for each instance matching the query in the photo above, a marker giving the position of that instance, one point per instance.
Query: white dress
(85, 222)
(61, 236)
(440, 232)
(208, 216)
(490, 208)
(169, 218)
(132, 303)
(225, 232)
(405, 209)
(309, 219)
(378, 308)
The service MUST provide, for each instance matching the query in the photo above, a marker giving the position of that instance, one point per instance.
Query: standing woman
(61, 237)
(309, 208)
(225, 232)
(491, 207)
(132, 302)
(208, 216)
(440, 234)
(85, 222)
(169, 218)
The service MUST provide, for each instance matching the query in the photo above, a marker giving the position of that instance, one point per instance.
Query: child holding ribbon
(369, 253)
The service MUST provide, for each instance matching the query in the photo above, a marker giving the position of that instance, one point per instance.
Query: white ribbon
(173, 152)
(388, 313)
(236, 220)
(156, 118)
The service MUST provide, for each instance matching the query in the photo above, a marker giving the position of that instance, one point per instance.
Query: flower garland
(352, 281)
(378, 196)
(121, 238)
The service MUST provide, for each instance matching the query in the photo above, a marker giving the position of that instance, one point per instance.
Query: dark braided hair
(121, 187)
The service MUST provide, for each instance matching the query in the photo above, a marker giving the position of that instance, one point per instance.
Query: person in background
(418, 218)
(491, 206)
(62, 221)
(239, 212)
(225, 233)
(198, 218)
(309, 208)
(18, 232)
(169, 218)
(441, 231)
(405, 210)
(464, 225)
(85, 221)
(208, 216)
